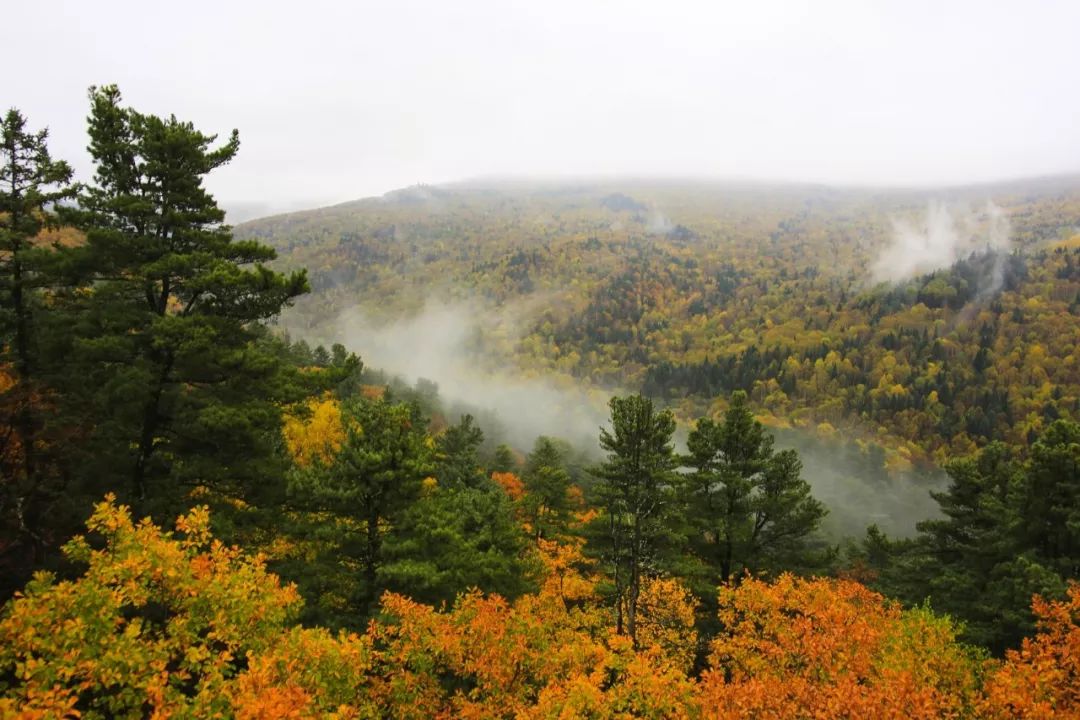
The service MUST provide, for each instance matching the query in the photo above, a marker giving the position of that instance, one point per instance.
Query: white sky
(339, 100)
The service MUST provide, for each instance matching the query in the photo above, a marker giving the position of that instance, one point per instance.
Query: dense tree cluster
(1010, 529)
(135, 357)
(353, 551)
(770, 293)
(179, 624)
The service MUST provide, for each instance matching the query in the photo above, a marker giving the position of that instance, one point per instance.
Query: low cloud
(944, 236)
(462, 347)
(658, 224)
(457, 346)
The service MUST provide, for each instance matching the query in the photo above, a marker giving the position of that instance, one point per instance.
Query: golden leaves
(316, 435)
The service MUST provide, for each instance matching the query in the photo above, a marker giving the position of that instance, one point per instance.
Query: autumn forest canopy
(604, 449)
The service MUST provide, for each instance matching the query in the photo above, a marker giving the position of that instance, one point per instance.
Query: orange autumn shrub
(666, 621)
(178, 625)
(157, 625)
(832, 649)
(552, 654)
(510, 483)
(488, 659)
(1042, 678)
(308, 673)
(567, 575)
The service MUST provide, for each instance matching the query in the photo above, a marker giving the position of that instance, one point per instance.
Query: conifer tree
(459, 455)
(374, 477)
(547, 504)
(503, 460)
(1008, 531)
(454, 539)
(180, 393)
(31, 185)
(634, 490)
(746, 505)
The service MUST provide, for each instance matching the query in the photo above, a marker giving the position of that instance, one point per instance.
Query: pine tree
(373, 479)
(503, 460)
(31, 185)
(547, 483)
(455, 539)
(634, 490)
(169, 367)
(746, 505)
(1007, 532)
(459, 455)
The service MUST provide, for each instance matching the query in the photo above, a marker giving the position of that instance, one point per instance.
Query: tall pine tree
(31, 185)
(634, 491)
(372, 480)
(746, 506)
(181, 394)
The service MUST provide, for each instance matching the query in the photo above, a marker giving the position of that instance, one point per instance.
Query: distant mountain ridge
(692, 289)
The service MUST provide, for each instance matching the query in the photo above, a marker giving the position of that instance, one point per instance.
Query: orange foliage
(832, 648)
(179, 625)
(510, 483)
(666, 621)
(1042, 678)
(155, 625)
(565, 572)
(373, 392)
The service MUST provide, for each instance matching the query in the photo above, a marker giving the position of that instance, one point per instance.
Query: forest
(212, 506)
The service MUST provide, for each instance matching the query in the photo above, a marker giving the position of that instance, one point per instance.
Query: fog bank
(944, 235)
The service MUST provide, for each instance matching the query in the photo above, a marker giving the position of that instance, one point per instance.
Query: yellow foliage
(155, 626)
(317, 435)
(666, 621)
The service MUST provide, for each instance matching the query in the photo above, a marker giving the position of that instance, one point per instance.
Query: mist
(336, 101)
(944, 235)
(851, 479)
(455, 345)
(445, 344)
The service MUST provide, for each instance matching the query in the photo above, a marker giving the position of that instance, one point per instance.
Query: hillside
(932, 321)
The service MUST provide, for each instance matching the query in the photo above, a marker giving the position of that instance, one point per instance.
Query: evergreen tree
(1050, 506)
(959, 559)
(634, 492)
(459, 455)
(31, 184)
(547, 484)
(455, 539)
(503, 459)
(180, 394)
(372, 480)
(1008, 532)
(746, 506)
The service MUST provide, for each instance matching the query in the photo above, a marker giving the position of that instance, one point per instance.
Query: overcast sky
(340, 100)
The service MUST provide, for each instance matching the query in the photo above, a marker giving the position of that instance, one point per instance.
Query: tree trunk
(150, 426)
(374, 547)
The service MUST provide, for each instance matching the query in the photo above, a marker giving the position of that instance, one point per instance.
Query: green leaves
(746, 506)
(31, 472)
(1009, 531)
(454, 539)
(170, 293)
(634, 492)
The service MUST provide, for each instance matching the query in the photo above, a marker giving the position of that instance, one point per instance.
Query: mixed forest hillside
(834, 309)
(348, 543)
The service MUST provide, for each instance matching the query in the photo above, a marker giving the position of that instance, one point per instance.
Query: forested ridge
(277, 530)
(690, 290)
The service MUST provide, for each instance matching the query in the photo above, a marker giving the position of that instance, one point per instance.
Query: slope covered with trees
(692, 290)
(349, 546)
